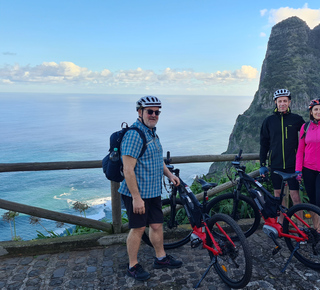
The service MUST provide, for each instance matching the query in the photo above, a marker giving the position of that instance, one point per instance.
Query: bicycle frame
(196, 215)
(195, 211)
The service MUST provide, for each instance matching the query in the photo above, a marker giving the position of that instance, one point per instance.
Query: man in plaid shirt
(141, 188)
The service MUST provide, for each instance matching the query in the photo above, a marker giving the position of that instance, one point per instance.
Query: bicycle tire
(176, 236)
(234, 264)
(309, 251)
(224, 204)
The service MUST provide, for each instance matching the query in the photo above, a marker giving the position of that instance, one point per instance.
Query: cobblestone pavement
(105, 267)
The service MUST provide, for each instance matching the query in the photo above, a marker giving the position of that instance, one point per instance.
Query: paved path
(104, 268)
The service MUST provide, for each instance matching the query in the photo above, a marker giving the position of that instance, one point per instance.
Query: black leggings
(311, 180)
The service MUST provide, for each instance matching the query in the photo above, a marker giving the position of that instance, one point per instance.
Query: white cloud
(262, 34)
(172, 75)
(5, 81)
(138, 75)
(51, 73)
(244, 74)
(247, 72)
(310, 16)
(263, 12)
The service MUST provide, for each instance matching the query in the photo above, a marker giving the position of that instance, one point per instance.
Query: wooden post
(116, 207)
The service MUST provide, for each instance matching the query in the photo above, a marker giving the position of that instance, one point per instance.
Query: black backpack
(305, 129)
(113, 169)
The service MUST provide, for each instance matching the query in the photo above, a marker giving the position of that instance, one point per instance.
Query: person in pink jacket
(308, 154)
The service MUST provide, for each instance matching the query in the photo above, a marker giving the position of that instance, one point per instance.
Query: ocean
(73, 127)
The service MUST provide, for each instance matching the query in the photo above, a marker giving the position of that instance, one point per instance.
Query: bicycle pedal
(276, 250)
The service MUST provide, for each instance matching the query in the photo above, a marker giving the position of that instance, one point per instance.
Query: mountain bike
(301, 224)
(188, 221)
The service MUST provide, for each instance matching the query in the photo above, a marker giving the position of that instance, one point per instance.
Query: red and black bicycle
(187, 220)
(250, 201)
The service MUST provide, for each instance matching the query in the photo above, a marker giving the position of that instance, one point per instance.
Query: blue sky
(197, 47)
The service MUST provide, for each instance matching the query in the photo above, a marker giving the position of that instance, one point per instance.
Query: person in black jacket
(279, 138)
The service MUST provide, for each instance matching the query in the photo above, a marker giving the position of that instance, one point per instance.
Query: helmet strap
(141, 118)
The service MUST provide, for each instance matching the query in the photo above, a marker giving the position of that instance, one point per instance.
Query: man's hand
(263, 171)
(174, 179)
(138, 205)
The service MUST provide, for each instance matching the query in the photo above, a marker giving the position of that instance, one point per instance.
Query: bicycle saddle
(206, 185)
(284, 175)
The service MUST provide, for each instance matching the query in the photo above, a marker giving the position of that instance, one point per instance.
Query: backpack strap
(305, 129)
(143, 137)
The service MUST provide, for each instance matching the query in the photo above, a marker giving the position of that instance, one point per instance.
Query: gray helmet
(281, 93)
(148, 101)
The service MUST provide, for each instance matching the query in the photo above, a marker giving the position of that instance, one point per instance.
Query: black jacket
(279, 136)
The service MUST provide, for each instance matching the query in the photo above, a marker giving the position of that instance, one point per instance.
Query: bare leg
(295, 196)
(133, 245)
(295, 200)
(156, 238)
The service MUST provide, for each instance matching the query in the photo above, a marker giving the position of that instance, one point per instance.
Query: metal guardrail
(116, 226)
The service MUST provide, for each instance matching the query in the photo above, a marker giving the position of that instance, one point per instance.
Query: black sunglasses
(150, 112)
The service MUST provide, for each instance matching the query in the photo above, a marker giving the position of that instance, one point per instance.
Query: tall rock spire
(292, 61)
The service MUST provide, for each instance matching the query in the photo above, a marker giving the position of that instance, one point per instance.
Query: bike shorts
(277, 179)
(153, 212)
(311, 180)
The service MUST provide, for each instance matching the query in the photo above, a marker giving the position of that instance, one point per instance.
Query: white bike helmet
(148, 101)
(281, 93)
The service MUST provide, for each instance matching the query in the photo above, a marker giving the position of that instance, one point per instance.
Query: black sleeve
(264, 143)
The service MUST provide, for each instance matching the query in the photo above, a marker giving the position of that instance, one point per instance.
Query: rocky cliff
(292, 61)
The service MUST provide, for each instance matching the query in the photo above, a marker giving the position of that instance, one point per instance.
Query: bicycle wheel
(175, 236)
(308, 251)
(245, 213)
(234, 264)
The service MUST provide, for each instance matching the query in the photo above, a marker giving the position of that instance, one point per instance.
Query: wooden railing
(116, 226)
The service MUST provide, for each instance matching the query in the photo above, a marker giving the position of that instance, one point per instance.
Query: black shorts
(277, 179)
(153, 213)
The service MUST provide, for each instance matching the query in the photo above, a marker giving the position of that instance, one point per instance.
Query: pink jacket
(308, 154)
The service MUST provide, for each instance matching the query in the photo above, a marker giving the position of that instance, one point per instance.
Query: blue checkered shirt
(149, 167)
